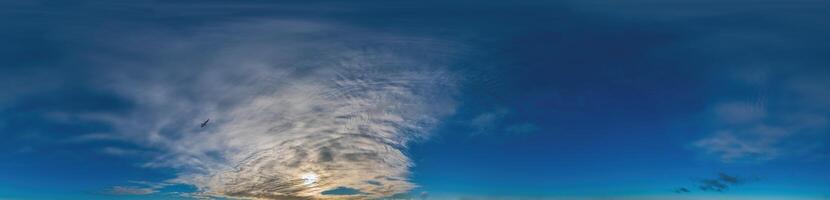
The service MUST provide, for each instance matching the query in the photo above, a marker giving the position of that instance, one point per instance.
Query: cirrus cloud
(287, 100)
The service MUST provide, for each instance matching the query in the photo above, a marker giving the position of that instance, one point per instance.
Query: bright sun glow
(309, 178)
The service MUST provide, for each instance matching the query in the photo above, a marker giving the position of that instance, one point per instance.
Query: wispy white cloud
(93, 137)
(285, 103)
(117, 151)
(496, 121)
(137, 188)
(780, 121)
(488, 121)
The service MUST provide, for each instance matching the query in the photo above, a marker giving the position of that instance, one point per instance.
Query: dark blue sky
(594, 99)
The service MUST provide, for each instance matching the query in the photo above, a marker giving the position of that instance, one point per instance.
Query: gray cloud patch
(374, 182)
(721, 183)
(342, 191)
(681, 190)
(130, 190)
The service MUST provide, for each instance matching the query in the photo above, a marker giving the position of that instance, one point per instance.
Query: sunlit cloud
(292, 115)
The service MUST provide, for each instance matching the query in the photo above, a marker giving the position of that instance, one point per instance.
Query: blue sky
(565, 100)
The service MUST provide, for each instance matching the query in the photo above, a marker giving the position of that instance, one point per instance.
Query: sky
(455, 100)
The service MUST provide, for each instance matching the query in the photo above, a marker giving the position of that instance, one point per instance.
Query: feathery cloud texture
(297, 108)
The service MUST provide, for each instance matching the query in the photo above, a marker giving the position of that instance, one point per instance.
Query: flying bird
(205, 123)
